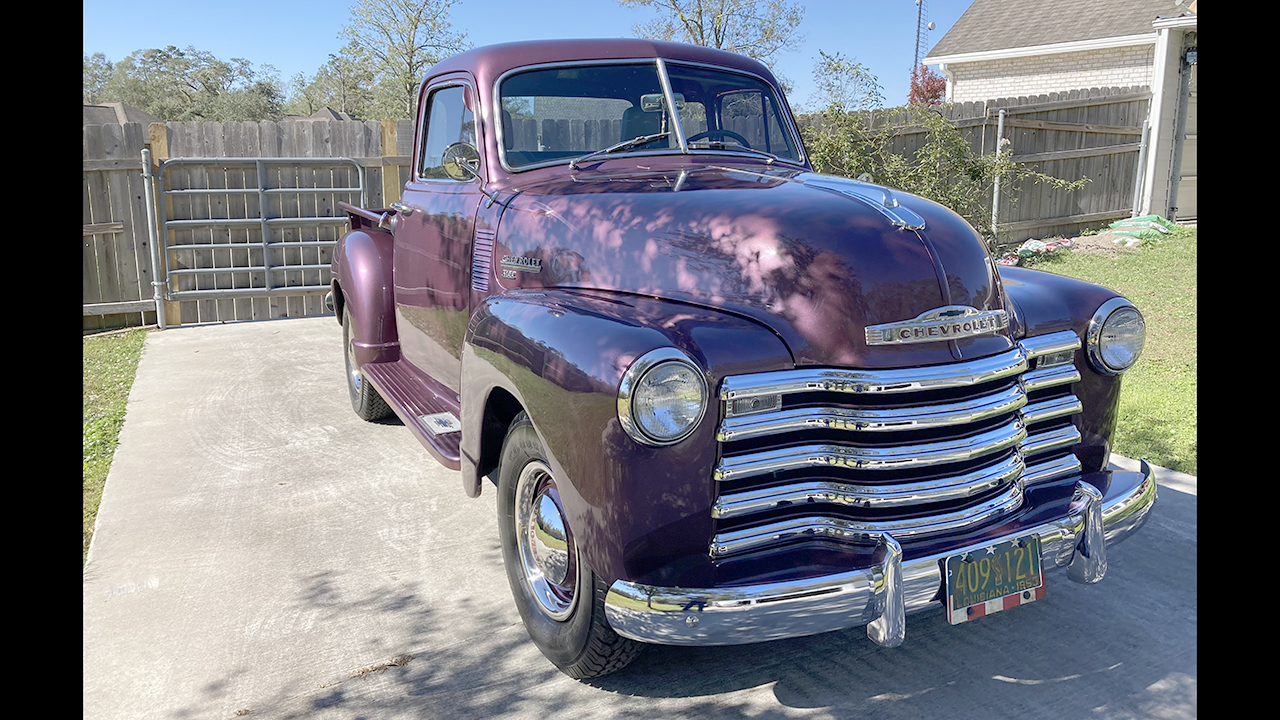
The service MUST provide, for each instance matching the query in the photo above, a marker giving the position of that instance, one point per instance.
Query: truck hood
(810, 256)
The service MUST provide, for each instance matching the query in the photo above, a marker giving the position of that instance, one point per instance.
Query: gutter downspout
(1155, 111)
(951, 81)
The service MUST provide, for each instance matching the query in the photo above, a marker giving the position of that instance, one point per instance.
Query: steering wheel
(721, 134)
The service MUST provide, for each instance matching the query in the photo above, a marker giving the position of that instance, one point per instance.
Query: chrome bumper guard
(880, 596)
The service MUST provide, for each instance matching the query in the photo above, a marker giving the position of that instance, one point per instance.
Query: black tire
(365, 399)
(580, 641)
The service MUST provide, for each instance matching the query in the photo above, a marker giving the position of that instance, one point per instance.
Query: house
(111, 113)
(1010, 48)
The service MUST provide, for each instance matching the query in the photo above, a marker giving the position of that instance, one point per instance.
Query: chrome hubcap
(353, 370)
(548, 540)
(547, 554)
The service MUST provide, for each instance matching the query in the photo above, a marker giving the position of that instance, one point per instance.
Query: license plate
(993, 578)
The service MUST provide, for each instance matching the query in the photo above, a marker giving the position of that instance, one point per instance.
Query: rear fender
(362, 271)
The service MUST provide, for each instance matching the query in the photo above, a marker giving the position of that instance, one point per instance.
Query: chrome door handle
(402, 209)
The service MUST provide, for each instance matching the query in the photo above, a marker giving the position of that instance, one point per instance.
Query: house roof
(111, 113)
(324, 113)
(1006, 24)
(328, 113)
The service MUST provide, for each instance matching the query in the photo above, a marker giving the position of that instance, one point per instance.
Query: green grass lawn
(1158, 395)
(110, 362)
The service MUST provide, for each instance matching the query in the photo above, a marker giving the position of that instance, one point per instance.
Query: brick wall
(1012, 77)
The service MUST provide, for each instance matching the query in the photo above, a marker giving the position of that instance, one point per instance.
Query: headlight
(662, 397)
(1116, 335)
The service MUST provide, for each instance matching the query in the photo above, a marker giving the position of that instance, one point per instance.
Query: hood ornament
(876, 196)
(945, 323)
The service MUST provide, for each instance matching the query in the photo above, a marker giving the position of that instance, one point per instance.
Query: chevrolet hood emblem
(946, 323)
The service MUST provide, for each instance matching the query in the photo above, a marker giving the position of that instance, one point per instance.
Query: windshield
(723, 110)
(557, 114)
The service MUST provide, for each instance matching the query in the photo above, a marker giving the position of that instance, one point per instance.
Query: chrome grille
(846, 455)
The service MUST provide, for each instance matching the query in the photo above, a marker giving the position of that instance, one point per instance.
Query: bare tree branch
(760, 29)
(402, 38)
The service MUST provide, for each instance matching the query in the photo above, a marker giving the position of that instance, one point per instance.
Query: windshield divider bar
(671, 106)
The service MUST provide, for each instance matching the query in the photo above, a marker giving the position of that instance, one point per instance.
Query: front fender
(1045, 303)
(633, 508)
(362, 269)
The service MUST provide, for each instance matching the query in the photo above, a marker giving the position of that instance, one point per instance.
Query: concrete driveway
(262, 552)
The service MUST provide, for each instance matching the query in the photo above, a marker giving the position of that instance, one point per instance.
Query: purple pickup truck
(724, 399)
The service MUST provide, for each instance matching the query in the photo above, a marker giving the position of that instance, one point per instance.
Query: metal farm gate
(250, 237)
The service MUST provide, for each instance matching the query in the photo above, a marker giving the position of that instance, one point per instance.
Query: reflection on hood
(810, 256)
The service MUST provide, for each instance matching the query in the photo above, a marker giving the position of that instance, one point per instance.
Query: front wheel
(365, 399)
(560, 599)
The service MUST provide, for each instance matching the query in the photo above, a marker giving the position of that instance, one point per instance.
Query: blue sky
(298, 36)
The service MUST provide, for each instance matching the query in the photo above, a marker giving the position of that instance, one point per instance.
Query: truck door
(434, 234)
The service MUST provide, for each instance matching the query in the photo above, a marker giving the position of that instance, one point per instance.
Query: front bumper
(879, 596)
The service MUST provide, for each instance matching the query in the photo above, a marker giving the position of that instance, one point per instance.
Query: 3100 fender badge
(511, 264)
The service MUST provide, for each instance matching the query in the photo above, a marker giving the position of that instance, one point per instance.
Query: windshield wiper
(624, 145)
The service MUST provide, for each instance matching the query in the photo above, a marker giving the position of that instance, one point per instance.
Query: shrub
(944, 168)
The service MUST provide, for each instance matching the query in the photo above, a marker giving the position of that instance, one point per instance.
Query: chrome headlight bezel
(1093, 337)
(630, 382)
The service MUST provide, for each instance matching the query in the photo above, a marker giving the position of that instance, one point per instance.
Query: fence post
(390, 173)
(1141, 175)
(158, 135)
(156, 281)
(995, 193)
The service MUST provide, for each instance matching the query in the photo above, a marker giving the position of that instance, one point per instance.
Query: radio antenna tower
(922, 25)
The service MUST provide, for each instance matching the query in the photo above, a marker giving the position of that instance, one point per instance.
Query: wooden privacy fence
(117, 275)
(1094, 133)
(117, 247)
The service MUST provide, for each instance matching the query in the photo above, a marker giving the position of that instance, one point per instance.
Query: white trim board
(1034, 50)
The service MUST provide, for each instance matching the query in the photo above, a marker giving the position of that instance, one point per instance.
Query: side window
(754, 116)
(448, 121)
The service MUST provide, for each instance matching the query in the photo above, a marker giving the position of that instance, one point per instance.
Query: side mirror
(461, 161)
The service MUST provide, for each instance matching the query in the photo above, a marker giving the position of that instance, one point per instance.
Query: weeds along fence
(217, 203)
(232, 272)
(1095, 133)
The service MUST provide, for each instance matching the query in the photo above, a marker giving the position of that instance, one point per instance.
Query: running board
(423, 405)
